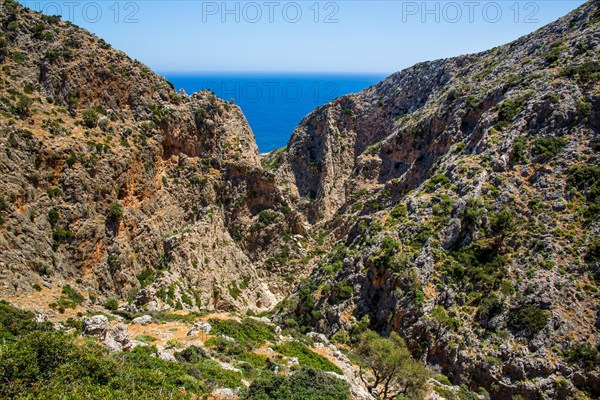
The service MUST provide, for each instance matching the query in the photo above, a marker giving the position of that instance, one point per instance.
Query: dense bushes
(306, 357)
(587, 72)
(475, 268)
(249, 332)
(545, 148)
(305, 384)
(528, 320)
(587, 179)
(15, 322)
(115, 212)
(585, 355)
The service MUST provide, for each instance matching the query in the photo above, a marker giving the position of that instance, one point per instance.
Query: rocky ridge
(116, 183)
(453, 195)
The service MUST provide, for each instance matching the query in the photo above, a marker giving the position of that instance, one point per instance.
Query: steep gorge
(455, 202)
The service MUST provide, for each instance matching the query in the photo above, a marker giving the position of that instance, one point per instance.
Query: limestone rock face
(453, 199)
(96, 325)
(114, 181)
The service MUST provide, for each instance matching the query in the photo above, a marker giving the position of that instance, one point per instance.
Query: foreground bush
(306, 384)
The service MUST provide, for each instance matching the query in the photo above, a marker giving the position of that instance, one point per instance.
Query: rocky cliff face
(463, 195)
(112, 180)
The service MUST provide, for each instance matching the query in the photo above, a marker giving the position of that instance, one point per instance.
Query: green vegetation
(15, 322)
(545, 148)
(395, 372)
(475, 268)
(439, 179)
(584, 355)
(587, 179)
(585, 73)
(306, 384)
(518, 151)
(399, 212)
(508, 111)
(53, 216)
(71, 160)
(490, 307)
(111, 305)
(115, 212)
(593, 250)
(528, 320)
(249, 332)
(90, 117)
(72, 297)
(473, 212)
(306, 357)
(61, 235)
(503, 223)
(146, 277)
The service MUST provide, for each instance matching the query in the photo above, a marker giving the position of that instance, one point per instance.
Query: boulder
(96, 325)
(143, 320)
(117, 338)
(199, 326)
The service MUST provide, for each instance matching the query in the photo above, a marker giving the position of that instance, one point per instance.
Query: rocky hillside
(117, 184)
(463, 195)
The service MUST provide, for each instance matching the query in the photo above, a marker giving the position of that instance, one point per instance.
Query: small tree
(115, 212)
(393, 371)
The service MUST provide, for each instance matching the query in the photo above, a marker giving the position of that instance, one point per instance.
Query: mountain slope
(463, 195)
(114, 182)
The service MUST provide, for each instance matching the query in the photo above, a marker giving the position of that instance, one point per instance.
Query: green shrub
(256, 360)
(115, 212)
(593, 249)
(508, 111)
(545, 148)
(490, 307)
(73, 296)
(53, 216)
(111, 305)
(399, 212)
(475, 268)
(587, 179)
(518, 151)
(587, 72)
(503, 222)
(306, 357)
(584, 108)
(146, 277)
(249, 331)
(439, 179)
(61, 235)
(16, 322)
(305, 384)
(90, 117)
(528, 320)
(472, 212)
(341, 291)
(584, 355)
(72, 159)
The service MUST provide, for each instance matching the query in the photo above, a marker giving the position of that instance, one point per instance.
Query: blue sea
(274, 104)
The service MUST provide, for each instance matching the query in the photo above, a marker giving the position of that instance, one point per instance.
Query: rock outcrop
(459, 199)
(114, 181)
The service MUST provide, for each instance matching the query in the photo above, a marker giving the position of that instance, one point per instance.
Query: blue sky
(303, 36)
